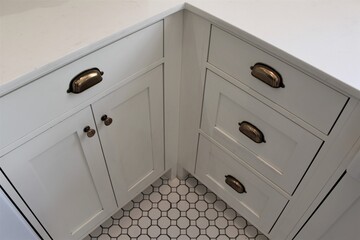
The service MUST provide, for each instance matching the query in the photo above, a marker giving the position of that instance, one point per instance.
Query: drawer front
(41, 101)
(288, 149)
(260, 204)
(303, 96)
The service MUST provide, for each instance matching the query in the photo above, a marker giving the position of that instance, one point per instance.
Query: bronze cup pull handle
(267, 75)
(85, 80)
(251, 132)
(235, 184)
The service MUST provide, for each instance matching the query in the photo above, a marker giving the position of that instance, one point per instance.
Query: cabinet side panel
(323, 173)
(195, 48)
(12, 224)
(339, 201)
(21, 206)
(173, 33)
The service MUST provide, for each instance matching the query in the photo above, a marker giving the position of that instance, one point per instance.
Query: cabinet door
(61, 174)
(133, 143)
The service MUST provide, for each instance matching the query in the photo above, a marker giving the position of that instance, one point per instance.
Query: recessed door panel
(62, 176)
(133, 141)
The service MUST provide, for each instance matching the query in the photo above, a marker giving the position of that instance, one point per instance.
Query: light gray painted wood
(35, 104)
(347, 225)
(288, 149)
(12, 224)
(354, 167)
(62, 176)
(194, 54)
(173, 34)
(329, 165)
(133, 144)
(268, 102)
(26, 111)
(22, 207)
(261, 204)
(324, 224)
(307, 98)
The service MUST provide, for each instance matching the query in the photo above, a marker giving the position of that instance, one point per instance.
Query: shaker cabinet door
(130, 124)
(61, 174)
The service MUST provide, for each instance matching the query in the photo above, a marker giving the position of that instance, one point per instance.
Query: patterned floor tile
(176, 209)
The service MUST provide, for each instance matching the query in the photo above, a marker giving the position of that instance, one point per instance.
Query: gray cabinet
(62, 176)
(71, 169)
(133, 142)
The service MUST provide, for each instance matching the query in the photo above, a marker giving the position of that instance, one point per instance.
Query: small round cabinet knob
(107, 120)
(89, 131)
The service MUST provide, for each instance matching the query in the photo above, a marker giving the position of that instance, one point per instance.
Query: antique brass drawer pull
(267, 75)
(85, 80)
(251, 132)
(235, 184)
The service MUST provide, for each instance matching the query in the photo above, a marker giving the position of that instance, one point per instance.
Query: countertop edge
(282, 55)
(29, 77)
(278, 53)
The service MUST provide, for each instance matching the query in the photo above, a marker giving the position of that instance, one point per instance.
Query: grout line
(176, 209)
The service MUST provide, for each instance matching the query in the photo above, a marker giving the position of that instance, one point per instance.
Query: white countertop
(320, 36)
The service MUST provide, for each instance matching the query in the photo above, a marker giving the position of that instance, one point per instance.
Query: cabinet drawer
(41, 101)
(303, 96)
(288, 149)
(260, 204)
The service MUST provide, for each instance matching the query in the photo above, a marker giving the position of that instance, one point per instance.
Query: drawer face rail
(260, 204)
(266, 140)
(293, 90)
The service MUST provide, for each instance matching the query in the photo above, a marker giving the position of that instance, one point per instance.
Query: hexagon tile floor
(176, 209)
